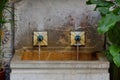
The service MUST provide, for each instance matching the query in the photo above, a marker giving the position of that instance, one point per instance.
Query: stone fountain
(66, 32)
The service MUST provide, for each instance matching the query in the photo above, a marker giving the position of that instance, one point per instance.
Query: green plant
(4, 8)
(109, 25)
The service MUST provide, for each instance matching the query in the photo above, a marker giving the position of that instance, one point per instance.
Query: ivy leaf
(2, 21)
(104, 3)
(118, 2)
(116, 11)
(109, 56)
(116, 60)
(2, 4)
(107, 22)
(114, 50)
(114, 34)
(101, 3)
(103, 10)
(88, 2)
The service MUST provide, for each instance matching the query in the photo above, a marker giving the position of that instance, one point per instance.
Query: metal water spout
(40, 39)
(78, 39)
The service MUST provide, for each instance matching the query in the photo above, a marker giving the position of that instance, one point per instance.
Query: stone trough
(31, 68)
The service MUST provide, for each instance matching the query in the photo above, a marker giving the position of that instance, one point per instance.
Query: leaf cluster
(109, 24)
(4, 7)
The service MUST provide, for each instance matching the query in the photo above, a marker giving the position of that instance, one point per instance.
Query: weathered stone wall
(58, 18)
(7, 37)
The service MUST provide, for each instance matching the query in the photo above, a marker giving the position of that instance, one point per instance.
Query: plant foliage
(109, 24)
(4, 7)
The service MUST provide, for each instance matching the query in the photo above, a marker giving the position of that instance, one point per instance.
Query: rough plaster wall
(38, 15)
(7, 47)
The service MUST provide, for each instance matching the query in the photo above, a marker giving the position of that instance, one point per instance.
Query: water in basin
(58, 55)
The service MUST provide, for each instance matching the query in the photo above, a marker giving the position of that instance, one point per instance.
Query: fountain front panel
(58, 56)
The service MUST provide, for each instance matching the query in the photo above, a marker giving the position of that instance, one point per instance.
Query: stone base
(60, 73)
(51, 76)
(59, 70)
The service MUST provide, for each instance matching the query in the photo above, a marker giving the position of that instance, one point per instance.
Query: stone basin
(59, 66)
(58, 55)
(33, 54)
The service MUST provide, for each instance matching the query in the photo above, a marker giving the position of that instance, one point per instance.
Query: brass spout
(40, 38)
(77, 38)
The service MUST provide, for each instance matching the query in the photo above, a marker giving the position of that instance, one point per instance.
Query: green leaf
(2, 4)
(114, 50)
(104, 3)
(116, 60)
(107, 22)
(114, 34)
(109, 56)
(118, 2)
(103, 10)
(88, 2)
(101, 3)
(116, 11)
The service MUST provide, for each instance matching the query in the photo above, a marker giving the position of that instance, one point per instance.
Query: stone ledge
(101, 63)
